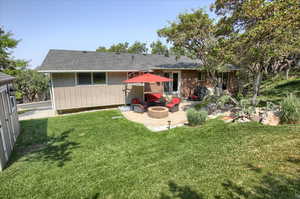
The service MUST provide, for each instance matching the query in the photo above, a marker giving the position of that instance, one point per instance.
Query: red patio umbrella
(147, 78)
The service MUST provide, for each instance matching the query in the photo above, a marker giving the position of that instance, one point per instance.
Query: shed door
(5, 120)
(3, 148)
(6, 143)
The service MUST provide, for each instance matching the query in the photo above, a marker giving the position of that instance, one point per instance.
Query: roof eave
(74, 71)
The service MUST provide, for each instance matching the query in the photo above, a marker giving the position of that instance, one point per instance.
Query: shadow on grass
(94, 196)
(269, 186)
(57, 149)
(180, 192)
(35, 145)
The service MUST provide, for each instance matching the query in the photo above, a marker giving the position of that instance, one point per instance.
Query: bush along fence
(9, 124)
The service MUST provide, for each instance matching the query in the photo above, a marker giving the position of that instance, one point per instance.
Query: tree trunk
(287, 73)
(256, 87)
(219, 86)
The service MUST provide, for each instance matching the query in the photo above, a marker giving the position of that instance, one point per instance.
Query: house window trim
(92, 79)
(202, 74)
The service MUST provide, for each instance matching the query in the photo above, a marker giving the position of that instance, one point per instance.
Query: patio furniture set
(155, 105)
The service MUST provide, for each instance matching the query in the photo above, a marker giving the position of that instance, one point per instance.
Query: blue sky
(86, 24)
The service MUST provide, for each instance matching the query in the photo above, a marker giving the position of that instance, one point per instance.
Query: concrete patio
(177, 119)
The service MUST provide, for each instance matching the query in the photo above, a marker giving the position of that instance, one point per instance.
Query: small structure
(9, 124)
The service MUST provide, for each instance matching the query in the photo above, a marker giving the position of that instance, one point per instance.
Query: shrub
(201, 105)
(195, 117)
(225, 99)
(290, 109)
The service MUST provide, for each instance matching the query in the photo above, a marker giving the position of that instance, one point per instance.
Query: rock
(255, 118)
(270, 118)
(211, 108)
(227, 119)
(242, 120)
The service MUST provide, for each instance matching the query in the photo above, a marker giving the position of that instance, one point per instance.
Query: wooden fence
(9, 124)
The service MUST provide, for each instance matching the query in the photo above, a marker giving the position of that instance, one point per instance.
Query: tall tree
(6, 44)
(119, 48)
(159, 48)
(138, 48)
(31, 84)
(102, 49)
(261, 32)
(193, 35)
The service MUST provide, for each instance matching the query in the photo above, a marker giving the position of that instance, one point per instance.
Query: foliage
(136, 48)
(194, 35)
(290, 109)
(201, 105)
(261, 33)
(224, 99)
(6, 44)
(159, 48)
(118, 153)
(31, 83)
(247, 108)
(195, 117)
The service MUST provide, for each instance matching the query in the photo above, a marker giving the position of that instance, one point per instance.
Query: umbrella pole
(144, 92)
(125, 91)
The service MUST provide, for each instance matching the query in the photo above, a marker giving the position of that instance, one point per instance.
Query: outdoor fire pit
(158, 112)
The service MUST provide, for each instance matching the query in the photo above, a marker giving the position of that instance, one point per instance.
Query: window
(84, 78)
(91, 78)
(201, 76)
(99, 78)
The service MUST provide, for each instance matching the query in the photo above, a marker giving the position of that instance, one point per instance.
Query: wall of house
(156, 87)
(190, 80)
(68, 95)
(9, 124)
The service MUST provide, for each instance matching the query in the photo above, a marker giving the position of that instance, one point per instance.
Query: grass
(91, 155)
(275, 90)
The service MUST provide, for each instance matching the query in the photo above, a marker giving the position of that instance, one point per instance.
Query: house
(9, 124)
(81, 79)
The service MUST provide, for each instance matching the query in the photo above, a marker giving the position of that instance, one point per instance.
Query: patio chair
(155, 99)
(138, 106)
(174, 104)
(199, 93)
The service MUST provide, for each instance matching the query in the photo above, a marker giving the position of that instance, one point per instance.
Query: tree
(119, 48)
(159, 48)
(31, 84)
(116, 48)
(194, 35)
(6, 44)
(102, 49)
(138, 48)
(260, 32)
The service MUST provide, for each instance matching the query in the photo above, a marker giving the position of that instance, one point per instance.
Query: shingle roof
(68, 60)
(4, 78)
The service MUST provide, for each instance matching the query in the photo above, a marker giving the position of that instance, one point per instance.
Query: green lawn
(275, 90)
(91, 155)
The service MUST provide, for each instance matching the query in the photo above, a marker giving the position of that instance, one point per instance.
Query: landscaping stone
(242, 120)
(270, 118)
